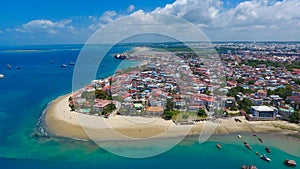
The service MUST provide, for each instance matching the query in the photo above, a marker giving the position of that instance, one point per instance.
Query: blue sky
(58, 21)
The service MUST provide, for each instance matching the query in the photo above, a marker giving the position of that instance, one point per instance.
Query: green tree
(295, 117)
(100, 94)
(169, 104)
(201, 113)
(245, 104)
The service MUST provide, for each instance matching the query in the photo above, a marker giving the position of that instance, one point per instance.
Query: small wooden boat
(290, 163)
(219, 146)
(248, 167)
(239, 136)
(247, 145)
(264, 157)
(261, 140)
(268, 149)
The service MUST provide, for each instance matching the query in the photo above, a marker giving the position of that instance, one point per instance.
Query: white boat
(239, 136)
(264, 157)
(8, 66)
(1, 76)
(63, 65)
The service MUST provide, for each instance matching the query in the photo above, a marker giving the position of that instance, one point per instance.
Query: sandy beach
(60, 121)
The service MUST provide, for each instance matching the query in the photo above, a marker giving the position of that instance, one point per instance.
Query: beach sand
(60, 121)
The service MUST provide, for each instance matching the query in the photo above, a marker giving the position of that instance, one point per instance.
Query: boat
(71, 63)
(257, 153)
(264, 157)
(248, 167)
(1, 76)
(8, 66)
(52, 61)
(254, 135)
(18, 67)
(268, 149)
(247, 145)
(219, 146)
(261, 140)
(290, 163)
(63, 65)
(239, 136)
(121, 56)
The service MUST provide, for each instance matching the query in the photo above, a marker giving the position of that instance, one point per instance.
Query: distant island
(175, 88)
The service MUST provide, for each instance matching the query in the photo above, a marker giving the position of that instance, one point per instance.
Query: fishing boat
(239, 136)
(121, 56)
(247, 145)
(248, 167)
(268, 149)
(290, 163)
(63, 65)
(219, 146)
(264, 157)
(8, 66)
(1, 76)
(261, 140)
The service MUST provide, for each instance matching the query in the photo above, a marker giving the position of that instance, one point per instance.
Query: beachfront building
(100, 104)
(286, 111)
(262, 113)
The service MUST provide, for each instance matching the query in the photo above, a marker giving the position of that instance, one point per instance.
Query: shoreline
(60, 121)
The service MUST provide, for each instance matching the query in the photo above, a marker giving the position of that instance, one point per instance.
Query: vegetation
(234, 91)
(245, 104)
(255, 63)
(108, 109)
(295, 117)
(282, 92)
(201, 113)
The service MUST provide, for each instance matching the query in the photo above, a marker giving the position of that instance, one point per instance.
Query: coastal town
(262, 83)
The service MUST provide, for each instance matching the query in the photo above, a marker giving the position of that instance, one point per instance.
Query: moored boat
(248, 167)
(264, 157)
(71, 63)
(1, 76)
(120, 56)
(8, 66)
(247, 145)
(219, 146)
(239, 136)
(268, 149)
(63, 65)
(261, 140)
(254, 134)
(290, 163)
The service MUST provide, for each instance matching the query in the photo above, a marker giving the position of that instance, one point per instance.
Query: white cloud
(130, 8)
(44, 25)
(195, 11)
(106, 18)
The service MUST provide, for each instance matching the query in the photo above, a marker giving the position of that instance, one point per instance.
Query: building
(286, 112)
(262, 113)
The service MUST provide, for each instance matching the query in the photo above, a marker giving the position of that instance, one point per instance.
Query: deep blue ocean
(25, 93)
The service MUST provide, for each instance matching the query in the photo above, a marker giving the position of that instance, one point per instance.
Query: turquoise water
(26, 92)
